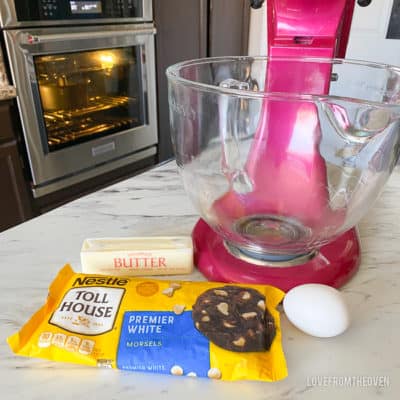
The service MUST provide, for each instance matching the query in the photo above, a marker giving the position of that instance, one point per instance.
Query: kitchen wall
(369, 30)
(258, 32)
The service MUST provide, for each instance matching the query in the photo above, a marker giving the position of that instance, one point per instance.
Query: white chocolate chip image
(178, 309)
(223, 308)
(214, 373)
(261, 305)
(175, 285)
(176, 370)
(192, 374)
(249, 315)
(220, 292)
(169, 291)
(246, 296)
(240, 342)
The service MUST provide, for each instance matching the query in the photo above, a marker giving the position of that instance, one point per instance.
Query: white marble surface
(155, 203)
(7, 91)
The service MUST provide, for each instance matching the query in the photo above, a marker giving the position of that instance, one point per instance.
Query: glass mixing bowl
(282, 155)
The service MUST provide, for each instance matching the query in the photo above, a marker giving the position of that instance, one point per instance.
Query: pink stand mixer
(282, 155)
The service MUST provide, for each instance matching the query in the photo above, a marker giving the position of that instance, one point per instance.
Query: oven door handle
(32, 38)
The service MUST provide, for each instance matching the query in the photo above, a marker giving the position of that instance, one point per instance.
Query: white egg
(316, 309)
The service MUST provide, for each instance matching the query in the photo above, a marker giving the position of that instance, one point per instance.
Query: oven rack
(95, 104)
(69, 133)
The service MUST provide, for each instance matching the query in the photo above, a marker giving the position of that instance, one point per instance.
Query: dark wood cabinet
(15, 205)
(188, 29)
(228, 28)
(14, 202)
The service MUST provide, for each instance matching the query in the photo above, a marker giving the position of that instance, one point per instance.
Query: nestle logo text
(99, 280)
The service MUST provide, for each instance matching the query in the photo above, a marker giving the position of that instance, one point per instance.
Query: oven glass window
(87, 95)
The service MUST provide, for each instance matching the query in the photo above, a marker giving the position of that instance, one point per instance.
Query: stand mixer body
(279, 192)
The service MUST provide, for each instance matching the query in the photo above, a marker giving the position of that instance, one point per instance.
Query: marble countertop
(7, 91)
(363, 363)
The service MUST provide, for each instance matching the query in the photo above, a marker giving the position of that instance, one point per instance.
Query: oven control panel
(49, 8)
(73, 10)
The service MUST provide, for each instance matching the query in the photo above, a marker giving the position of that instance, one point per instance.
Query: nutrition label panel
(68, 342)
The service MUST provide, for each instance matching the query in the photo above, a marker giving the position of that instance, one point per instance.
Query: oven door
(86, 98)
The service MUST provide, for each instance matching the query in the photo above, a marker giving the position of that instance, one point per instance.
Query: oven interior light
(107, 60)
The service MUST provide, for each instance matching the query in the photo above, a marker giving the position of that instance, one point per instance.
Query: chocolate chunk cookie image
(234, 318)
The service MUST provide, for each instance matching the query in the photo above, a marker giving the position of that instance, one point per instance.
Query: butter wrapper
(134, 256)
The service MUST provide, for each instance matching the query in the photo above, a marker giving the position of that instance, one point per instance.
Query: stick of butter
(153, 255)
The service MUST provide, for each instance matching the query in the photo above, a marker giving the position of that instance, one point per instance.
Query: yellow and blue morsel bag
(203, 329)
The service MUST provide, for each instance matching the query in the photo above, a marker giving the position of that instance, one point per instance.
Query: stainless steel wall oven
(85, 88)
